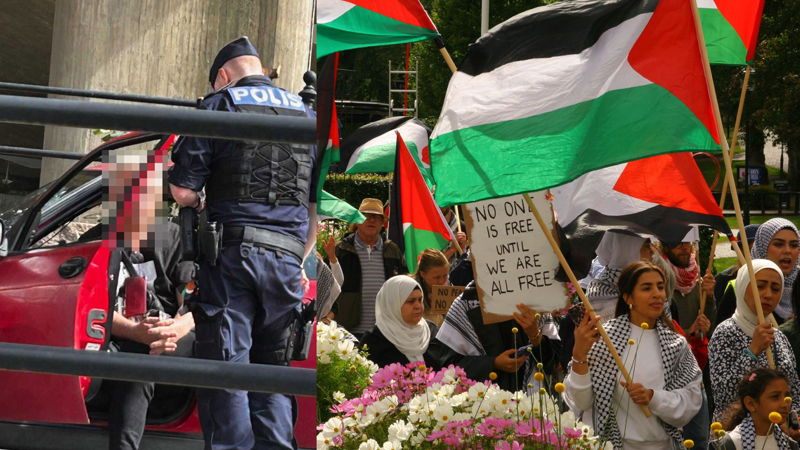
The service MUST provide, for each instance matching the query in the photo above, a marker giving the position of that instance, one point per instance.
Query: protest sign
(442, 297)
(512, 261)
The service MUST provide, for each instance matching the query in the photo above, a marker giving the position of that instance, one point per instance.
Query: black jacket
(382, 352)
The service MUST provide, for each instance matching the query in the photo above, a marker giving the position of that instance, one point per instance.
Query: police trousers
(246, 304)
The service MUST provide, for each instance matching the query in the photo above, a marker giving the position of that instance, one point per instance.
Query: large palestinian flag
(415, 222)
(568, 88)
(372, 146)
(663, 196)
(730, 28)
(348, 24)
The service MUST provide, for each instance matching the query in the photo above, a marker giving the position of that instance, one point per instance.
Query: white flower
(323, 442)
(458, 400)
(477, 391)
(400, 431)
(371, 444)
(345, 348)
(443, 413)
(333, 427)
(391, 445)
(568, 419)
(339, 397)
(323, 359)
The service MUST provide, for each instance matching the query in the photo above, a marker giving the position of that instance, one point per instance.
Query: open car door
(55, 290)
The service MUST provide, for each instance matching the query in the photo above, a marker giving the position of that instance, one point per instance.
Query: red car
(54, 290)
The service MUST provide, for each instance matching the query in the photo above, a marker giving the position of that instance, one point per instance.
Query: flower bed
(413, 406)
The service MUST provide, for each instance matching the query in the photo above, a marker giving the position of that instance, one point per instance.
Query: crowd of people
(700, 358)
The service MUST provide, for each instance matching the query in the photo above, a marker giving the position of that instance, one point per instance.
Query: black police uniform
(260, 193)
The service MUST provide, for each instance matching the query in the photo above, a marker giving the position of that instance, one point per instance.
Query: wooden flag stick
(757, 301)
(724, 192)
(454, 69)
(557, 250)
(729, 170)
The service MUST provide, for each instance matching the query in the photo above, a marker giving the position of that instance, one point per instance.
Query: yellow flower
(720, 433)
(787, 400)
(716, 426)
(631, 342)
(645, 326)
(530, 385)
(539, 366)
(537, 316)
(538, 376)
(775, 417)
(515, 330)
(688, 443)
(421, 367)
(542, 391)
(492, 376)
(559, 387)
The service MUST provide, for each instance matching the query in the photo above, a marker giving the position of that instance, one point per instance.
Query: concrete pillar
(165, 48)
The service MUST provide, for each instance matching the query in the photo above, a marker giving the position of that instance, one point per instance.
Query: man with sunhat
(260, 197)
(367, 259)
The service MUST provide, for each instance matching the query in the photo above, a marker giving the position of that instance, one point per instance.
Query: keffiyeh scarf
(764, 235)
(680, 369)
(748, 432)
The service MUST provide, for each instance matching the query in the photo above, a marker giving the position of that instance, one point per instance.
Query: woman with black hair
(665, 374)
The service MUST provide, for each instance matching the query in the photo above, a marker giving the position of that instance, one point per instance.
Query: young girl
(761, 392)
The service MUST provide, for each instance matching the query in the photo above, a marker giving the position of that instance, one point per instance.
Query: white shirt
(762, 442)
(645, 366)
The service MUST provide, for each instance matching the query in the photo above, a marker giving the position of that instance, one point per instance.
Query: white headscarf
(410, 340)
(744, 317)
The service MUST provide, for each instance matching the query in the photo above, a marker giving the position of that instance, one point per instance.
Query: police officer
(261, 196)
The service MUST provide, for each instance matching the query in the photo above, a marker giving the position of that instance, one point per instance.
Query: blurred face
(412, 308)
(769, 290)
(783, 250)
(371, 227)
(436, 276)
(772, 399)
(680, 255)
(647, 299)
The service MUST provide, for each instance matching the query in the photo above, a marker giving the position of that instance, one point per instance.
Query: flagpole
(724, 191)
(729, 171)
(564, 264)
(447, 59)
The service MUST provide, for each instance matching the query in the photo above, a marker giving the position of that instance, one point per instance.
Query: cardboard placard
(442, 297)
(512, 261)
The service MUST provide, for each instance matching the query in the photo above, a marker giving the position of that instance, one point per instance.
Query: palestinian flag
(731, 29)
(347, 24)
(330, 206)
(415, 222)
(372, 146)
(662, 196)
(568, 88)
(327, 124)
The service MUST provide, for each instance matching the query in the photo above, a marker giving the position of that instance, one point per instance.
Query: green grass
(758, 218)
(721, 264)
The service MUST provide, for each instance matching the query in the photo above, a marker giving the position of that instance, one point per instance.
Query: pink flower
(572, 433)
(524, 429)
(492, 427)
(505, 445)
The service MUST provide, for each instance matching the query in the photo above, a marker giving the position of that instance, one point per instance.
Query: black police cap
(237, 48)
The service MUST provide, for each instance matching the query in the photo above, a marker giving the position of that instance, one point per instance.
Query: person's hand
(708, 284)
(507, 363)
(763, 337)
(304, 279)
(701, 325)
(526, 318)
(586, 334)
(167, 333)
(141, 331)
(639, 394)
(330, 249)
(461, 238)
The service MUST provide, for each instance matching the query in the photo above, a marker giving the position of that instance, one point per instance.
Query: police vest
(268, 172)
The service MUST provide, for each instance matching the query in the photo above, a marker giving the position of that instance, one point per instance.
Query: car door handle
(72, 267)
